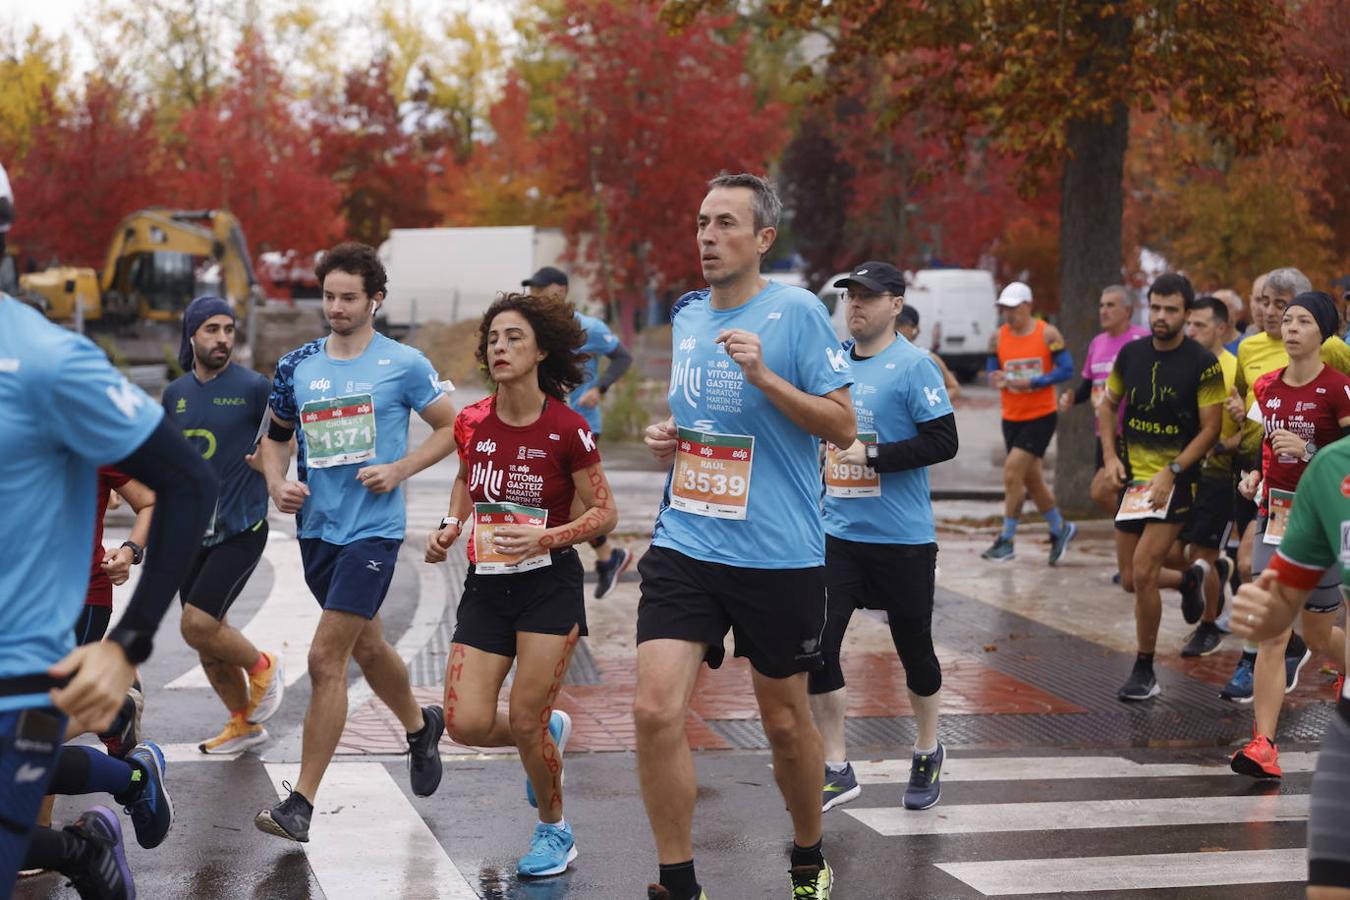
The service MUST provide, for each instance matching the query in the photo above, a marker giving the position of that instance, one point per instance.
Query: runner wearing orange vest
(1026, 359)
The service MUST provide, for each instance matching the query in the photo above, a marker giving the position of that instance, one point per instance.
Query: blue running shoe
(925, 779)
(607, 574)
(107, 873)
(560, 729)
(551, 849)
(152, 810)
(1060, 542)
(841, 786)
(1000, 551)
(1239, 687)
(1296, 656)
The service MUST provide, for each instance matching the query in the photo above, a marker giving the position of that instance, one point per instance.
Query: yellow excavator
(159, 259)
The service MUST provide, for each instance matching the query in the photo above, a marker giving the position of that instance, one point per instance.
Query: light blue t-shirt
(387, 382)
(782, 526)
(893, 392)
(64, 411)
(600, 342)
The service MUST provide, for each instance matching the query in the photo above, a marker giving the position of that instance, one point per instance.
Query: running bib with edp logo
(712, 474)
(338, 431)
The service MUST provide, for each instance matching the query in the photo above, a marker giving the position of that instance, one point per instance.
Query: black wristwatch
(137, 552)
(135, 644)
(1309, 450)
(1174, 467)
(447, 521)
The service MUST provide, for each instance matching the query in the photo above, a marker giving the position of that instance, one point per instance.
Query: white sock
(931, 750)
(561, 823)
(1204, 567)
(836, 766)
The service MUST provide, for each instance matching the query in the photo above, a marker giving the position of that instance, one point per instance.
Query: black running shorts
(1212, 514)
(777, 616)
(494, 608)
(219, 572)
(1033, 435)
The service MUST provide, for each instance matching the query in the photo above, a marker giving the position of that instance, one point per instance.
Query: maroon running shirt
(1312, 411)
(100, 585)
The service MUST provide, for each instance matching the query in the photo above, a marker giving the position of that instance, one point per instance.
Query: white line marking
(956, 769)
(1130, 873)
(982, 818)
(367, 840)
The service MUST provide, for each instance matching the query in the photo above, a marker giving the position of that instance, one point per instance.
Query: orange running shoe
(1259, 759)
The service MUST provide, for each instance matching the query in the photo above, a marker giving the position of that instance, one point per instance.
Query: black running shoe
(289, 819)
(1141, 685)
(107, 875)
(1192, 594)
(424, 754)
(1204, 640)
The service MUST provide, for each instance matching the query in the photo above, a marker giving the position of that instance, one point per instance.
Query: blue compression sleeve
(991, 363)
(1062, 371)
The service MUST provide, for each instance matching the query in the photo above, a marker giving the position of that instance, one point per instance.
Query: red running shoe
(1259, 759)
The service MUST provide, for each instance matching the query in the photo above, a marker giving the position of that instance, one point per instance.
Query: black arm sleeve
(936, 442)
(1082, 392)
(619, 361)
(185, 494)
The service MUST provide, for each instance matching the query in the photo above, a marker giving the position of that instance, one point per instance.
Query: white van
(956, 314)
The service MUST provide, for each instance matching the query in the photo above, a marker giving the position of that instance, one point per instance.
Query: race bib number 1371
(712, 474)
(338, 431)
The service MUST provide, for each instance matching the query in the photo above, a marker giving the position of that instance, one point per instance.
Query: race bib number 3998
(846, 481)
(712, 474)
(338, 430)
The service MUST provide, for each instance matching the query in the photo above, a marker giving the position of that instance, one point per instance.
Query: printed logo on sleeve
(838, 358)
(932, 395)
(126, 398)
(587, 439)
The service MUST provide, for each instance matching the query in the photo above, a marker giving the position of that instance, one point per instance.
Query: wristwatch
(871, 452)
(1174, 467)
(135, 644)
(447, 521)
(137, 552)
(1309, 448)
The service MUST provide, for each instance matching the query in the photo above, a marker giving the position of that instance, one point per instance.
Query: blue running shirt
(893, 392)
(351, 413)
(751, 472)
(66, 411)
(599, 342)
(221, 418)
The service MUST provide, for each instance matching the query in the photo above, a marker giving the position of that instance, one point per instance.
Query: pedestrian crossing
(1173, 833)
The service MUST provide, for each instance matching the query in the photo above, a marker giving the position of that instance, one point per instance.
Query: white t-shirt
(5, 193)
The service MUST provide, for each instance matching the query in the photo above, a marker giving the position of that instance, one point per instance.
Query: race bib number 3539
(338, 431)
(712, 474)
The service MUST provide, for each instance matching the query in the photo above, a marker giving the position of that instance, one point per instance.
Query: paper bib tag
(847, 481)
(712, 474)
(338, 431)
(1135, 504)
(487, 518)
(1278, 507)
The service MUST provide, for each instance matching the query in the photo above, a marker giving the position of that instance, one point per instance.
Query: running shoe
(1000, 551)
(1239, 687)
(551, 849)
(424, 753)
(1204, 640)
(811, 882)
(661, 892)
(126, 728)
(1296, 656)
(1141, 685)
(1192, 593)
(560, 729)
(1060, 542)
(288, 819)
(607, 574)
(841, 786)
(265, 690)
(107, 875)
(237, 735)
(152, 809)
(1258, 759)
(925, 779)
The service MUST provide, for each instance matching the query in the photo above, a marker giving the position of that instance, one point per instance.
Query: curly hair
(556, 331)
(355, 259)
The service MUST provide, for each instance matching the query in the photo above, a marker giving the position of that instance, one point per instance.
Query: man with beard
(1172, 391)
(219, 407)
(346, 399)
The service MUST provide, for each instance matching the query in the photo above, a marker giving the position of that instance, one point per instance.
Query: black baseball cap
(545, 277)
(878, 276)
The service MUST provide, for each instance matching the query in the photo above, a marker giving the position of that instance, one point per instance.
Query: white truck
(452, 274)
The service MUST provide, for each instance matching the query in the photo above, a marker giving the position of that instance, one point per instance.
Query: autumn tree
(32, 73)
(1056, 83)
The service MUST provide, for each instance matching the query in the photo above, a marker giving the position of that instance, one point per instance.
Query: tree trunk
(1091, 206)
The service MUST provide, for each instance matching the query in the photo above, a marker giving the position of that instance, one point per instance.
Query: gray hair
(1120, 291)
(1288, 281)
(768, 208)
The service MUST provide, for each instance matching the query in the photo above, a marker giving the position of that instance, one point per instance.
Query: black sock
(807, 856)
(1296, 647)
(415, 736)
(1144, 660)
(62, 851)
(678, 878)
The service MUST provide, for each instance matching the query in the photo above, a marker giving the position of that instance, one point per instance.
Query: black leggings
(897, 578)
(92, 624)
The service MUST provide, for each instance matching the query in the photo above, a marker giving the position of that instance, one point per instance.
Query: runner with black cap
(610, 561)
(220, 408)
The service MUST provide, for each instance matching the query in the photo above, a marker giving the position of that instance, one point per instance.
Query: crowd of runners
(797, 494)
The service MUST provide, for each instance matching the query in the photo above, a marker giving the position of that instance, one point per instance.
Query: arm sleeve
(1083, 391)
(619, 362)
(991, 363)
(185, 494)
(936, 442)
(1062, 371)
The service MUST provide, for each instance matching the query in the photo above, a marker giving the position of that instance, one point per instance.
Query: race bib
(487, 518)
(1023, 369)
(1135, 504)
(1278, 507)
(712, 474)
(847, 481)
(338, 431)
